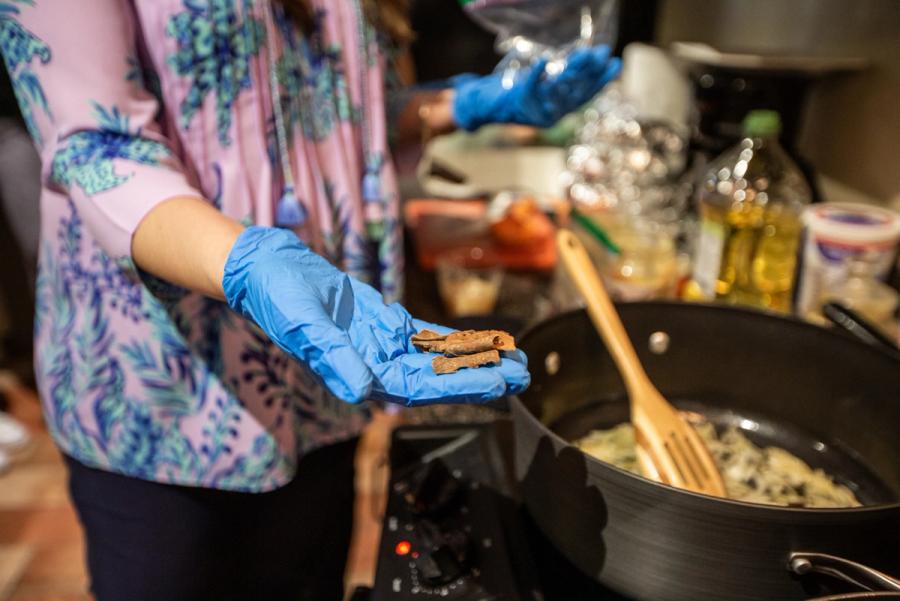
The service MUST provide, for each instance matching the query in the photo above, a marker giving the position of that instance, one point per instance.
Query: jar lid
(853, 223)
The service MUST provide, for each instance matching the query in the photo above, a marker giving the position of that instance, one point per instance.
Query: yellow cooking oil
(759, 255)
(750, 205)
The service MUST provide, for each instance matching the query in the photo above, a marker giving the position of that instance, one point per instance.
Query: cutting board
(439, 226)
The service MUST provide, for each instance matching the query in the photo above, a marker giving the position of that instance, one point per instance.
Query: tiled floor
(41, 547)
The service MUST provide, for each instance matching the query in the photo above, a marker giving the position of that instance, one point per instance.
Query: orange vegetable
(523, 225)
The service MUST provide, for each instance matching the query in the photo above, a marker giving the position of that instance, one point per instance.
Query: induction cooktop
(454, 528)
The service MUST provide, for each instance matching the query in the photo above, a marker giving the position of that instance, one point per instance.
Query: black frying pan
(831, 400)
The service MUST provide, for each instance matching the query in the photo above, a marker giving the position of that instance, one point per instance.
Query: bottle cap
(762, 124)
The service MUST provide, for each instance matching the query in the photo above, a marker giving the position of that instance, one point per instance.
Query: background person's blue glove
(343, 330)
(535, 98)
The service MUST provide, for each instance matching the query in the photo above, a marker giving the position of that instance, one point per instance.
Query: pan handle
(859, 596)
(864, 577)
(852, 322)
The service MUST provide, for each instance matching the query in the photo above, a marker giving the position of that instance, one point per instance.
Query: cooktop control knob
(440, 566)
(432, 490)
(458, 542)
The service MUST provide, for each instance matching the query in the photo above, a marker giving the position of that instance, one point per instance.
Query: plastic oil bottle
(750, 203)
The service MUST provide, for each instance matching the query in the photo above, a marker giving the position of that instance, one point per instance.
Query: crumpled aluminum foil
(622, 163)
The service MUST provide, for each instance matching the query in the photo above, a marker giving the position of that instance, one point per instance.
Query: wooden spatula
(669, 449)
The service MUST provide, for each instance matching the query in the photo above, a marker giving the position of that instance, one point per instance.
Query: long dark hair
(390, 17)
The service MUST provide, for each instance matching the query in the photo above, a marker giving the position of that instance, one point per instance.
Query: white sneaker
(14, 437)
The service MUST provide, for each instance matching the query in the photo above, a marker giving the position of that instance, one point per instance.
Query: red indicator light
(403, 548)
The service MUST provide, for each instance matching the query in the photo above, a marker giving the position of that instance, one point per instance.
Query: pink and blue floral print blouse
(135, 102)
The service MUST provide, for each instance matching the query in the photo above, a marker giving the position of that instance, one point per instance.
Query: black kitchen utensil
(856, 325)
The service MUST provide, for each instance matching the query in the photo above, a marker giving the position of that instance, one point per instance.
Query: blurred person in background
(219, 264)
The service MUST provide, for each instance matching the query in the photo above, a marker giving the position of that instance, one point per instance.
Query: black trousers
(157, 542)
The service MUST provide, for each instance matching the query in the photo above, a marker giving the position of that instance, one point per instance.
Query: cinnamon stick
(449, 365)
(464, 343)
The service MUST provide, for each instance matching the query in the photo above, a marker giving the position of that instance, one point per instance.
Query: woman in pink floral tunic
(201, 151)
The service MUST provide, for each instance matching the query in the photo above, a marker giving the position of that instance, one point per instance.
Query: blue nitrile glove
(343, 330)
(535, 98)
(403, 374)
